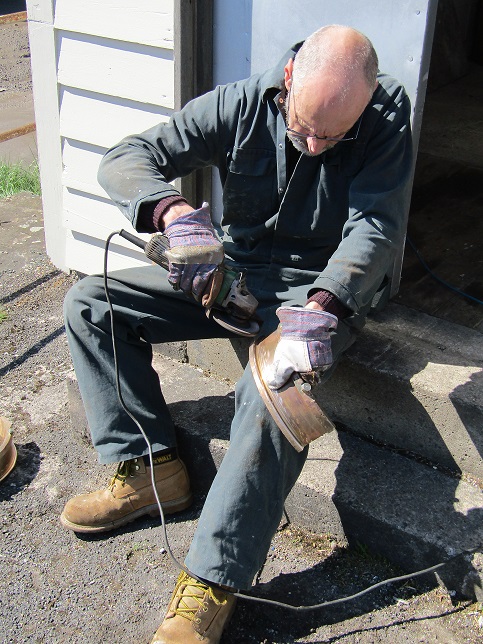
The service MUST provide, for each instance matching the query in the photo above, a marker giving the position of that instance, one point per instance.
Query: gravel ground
(15, 58)
(56, 587)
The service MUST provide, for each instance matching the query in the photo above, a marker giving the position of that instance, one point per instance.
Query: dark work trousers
(245, 503)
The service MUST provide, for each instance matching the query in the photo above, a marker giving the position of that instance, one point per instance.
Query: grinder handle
(133, 239)
(154, 249)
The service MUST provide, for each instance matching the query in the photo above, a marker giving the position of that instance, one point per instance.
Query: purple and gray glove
(195, 252)
(304, 345)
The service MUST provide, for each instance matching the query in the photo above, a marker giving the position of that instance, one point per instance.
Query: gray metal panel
(232, 40)
(400, 31)
(251, 35)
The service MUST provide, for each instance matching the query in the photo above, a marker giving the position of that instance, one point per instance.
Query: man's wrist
(174, 212)
(150, 216)
(322, 300)
(315, 306)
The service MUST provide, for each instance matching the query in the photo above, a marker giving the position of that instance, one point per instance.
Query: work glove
(304, 345)
(194, 255)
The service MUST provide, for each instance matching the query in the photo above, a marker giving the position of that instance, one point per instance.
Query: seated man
(315, 159)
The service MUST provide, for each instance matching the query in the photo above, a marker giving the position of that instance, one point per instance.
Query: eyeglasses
(303, 136)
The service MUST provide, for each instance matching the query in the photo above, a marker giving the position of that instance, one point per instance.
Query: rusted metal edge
(13, 17)
(8, 451)
(296, 413)
(17, 131)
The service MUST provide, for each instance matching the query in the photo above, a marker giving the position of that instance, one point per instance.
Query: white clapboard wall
(101, 69)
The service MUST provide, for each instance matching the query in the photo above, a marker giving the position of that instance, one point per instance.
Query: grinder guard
(297, 414)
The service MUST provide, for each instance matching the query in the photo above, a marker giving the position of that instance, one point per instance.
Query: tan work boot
(196, 613)
(129, 496)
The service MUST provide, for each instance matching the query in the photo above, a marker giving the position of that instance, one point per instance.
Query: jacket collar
(272, 81)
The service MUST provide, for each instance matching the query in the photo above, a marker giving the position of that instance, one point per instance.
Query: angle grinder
(234, 306)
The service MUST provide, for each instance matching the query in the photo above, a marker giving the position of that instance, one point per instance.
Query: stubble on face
(300, 143)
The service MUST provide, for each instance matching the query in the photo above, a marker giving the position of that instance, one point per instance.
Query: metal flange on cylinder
(8, 451)
(293, 407)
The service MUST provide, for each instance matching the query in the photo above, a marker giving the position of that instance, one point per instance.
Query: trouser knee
(80, 299)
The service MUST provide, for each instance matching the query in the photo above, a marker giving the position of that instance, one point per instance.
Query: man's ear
(288, 71)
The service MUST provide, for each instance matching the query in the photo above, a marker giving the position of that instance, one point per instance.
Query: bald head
(340, 56)
(330, 83)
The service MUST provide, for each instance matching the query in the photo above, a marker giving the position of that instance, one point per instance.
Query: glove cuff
(195, 221)
(305, 324)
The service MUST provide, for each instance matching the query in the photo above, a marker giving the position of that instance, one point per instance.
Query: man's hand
(305, 343)
(195, 252)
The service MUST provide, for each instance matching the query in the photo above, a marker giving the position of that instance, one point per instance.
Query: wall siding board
(132, 71)
(81, 162)
(102, 218)
(103, 121)
(86, 253)
(101, 72)
(148, 22)
(100, 221)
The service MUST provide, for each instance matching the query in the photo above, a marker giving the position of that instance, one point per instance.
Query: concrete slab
(414, 515)
(411, 382)
(225, 359)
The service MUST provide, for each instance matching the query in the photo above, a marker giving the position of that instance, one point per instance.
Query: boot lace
(122, 472)
(189, 592)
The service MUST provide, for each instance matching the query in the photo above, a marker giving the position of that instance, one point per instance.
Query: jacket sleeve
(139, 168)
(379, 197)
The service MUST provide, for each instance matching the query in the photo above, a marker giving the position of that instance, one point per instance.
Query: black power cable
(178, 564)
(437, 278)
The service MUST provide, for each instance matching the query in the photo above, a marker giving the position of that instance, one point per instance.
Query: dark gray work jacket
(335, 224)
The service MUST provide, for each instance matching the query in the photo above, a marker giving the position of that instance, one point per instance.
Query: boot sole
(169, 507)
